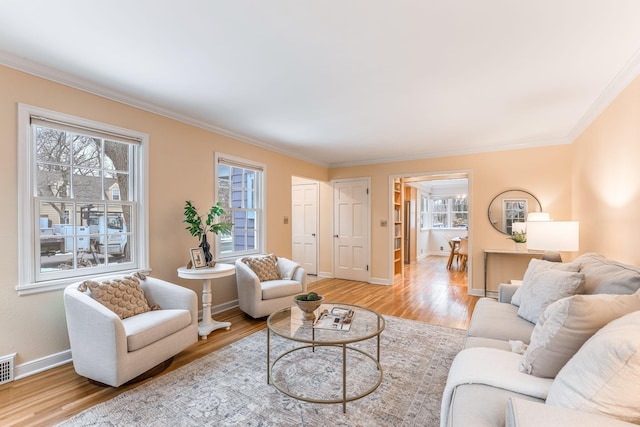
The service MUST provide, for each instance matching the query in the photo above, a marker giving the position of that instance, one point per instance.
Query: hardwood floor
(428, 293)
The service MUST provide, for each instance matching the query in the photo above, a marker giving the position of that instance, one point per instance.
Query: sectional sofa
(561, 347)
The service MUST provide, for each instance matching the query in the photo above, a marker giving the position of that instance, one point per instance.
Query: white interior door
(351, 229)
(304, 225)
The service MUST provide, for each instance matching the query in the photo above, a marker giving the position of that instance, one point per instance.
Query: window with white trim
(449, 212)
(240, 189)
(424, 212)
(81, 207)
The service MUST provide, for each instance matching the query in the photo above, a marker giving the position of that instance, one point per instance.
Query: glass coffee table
(289, 324)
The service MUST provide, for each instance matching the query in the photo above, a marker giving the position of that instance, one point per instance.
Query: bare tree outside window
(80, 225)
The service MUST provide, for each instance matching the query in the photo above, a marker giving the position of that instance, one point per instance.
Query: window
(439, 213)
(515, 210)
(115, 192)
(240, 190)
(459, 212)
(449, 212)
(81, 201)
(424, 212)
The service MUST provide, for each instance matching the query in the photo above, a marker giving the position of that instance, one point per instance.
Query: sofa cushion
(149, 327)
(280, 288)
(123, 296)
(604, 276)
(471, 342)
(604, 376)
(526, 413)
(566, 325)
(500, 321)
(481, 405)
(545, 287)
(265, 267)
(534, 268)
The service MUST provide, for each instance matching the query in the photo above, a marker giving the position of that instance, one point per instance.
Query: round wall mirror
(511, 206)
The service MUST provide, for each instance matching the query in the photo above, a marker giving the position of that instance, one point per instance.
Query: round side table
(208, 324)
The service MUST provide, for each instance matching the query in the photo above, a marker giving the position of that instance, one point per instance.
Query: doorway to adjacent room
(428, 211)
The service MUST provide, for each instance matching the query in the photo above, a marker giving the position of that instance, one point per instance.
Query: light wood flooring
(428, 293)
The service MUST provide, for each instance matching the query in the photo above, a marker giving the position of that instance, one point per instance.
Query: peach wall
(543, 171)
(606, 180)
(594, 181)
(181, 167)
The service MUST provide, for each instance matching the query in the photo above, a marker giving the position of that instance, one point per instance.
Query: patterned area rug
(229, 387)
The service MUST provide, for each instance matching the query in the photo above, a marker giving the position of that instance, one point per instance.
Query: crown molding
(629, 72)
(48, 73)
(518, 145)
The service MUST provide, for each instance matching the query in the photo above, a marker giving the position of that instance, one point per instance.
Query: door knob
(313, 234)
(335, 235)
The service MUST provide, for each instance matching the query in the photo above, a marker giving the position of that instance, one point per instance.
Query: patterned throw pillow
(122, 296)
(265, 267)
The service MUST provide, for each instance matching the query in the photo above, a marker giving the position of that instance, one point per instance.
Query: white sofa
(259, 299)
(111, 350)
(486, 384)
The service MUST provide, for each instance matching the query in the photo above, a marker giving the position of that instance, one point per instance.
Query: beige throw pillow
(566, 325)
(122, 296)
(265, 267)
(535, 266)
(545, 287)
(604, 375)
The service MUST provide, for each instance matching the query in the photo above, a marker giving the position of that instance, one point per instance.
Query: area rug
(229, 387)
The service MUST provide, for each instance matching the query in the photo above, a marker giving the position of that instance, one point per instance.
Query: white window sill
(59, 284)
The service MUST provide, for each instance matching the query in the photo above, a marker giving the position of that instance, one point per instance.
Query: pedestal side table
(208, 324)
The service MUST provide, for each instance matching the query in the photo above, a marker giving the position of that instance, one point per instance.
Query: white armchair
(260, 299)
(111, 350)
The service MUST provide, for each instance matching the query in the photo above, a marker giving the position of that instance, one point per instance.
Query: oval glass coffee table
(289, 324)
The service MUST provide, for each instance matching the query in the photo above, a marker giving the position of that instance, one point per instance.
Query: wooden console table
(501, 266)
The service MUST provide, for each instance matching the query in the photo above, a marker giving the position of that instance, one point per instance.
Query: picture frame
(197, 258)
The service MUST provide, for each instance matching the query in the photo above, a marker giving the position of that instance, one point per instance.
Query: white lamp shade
(538, 216)
(561, 236)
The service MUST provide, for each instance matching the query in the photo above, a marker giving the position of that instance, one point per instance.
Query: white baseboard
(221, 307)
(325, 274)
(479, 293)
(380, 281)
(39, 365)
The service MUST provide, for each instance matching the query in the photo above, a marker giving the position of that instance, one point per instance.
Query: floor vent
(6, 368)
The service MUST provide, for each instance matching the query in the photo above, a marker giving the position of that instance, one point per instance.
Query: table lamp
(553, 237)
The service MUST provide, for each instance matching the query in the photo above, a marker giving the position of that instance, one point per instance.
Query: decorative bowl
(308, 307)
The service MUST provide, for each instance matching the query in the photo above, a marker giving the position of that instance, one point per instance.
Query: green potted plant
(520, 237)
(199, 226)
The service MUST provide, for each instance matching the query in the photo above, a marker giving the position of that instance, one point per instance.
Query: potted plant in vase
(520, 237)
(199, 226)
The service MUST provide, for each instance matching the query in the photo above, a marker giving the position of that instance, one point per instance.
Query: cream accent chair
(260, 299)
(113, 351)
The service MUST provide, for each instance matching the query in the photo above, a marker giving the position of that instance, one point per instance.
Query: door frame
(367, 226)
(444, 175)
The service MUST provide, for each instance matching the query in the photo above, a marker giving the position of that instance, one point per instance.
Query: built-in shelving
(398, 241)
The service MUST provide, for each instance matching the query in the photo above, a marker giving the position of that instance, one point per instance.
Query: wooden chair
(453, 248)
(463, 253)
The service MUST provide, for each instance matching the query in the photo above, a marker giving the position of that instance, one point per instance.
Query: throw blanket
(492, 367)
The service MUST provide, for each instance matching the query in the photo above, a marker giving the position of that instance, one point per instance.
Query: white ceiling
(342, 82)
